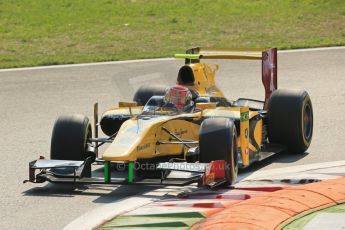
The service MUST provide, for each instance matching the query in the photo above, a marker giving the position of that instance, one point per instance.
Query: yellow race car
(190, 127)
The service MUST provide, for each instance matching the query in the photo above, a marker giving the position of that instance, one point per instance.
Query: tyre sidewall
(69, 137)
(285, 119)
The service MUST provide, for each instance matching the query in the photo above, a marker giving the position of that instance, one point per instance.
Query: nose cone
(135, 139)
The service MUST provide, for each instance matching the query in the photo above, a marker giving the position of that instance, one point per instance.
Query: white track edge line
(148, 60)
(99, 216)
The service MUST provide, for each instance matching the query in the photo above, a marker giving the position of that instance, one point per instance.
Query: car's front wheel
(218, 141)
(70, 138)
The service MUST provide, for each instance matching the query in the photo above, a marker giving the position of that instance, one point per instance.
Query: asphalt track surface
(31, 99)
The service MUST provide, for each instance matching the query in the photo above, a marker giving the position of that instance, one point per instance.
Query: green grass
(299, 223)
(47, 32)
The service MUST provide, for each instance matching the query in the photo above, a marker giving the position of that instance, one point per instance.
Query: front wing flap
(62, 168)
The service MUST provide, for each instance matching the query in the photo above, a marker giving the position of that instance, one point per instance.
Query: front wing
(61, 171)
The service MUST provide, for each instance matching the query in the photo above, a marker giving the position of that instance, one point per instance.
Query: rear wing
(268, 58)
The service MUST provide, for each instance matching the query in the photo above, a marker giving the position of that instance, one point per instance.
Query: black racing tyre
(145, 92)
(218, 141)
(290, 119)
(70, 137)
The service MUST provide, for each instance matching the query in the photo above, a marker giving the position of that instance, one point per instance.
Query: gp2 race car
(208, 143)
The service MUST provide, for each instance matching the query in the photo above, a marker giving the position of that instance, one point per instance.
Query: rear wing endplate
(268, 58)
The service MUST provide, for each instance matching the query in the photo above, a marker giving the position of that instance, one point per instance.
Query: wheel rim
(234, 150)
(307, 122)
(87, 140)
(231, 164)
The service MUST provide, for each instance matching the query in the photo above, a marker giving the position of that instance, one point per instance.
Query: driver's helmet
(179, 96)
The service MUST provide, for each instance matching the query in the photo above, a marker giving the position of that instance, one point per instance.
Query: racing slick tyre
(70, 138)
(218, 141)
(290, 119)
(145, 92)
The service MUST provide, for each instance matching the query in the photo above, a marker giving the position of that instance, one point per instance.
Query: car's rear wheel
(218, 141)
(290, 119)
(144, 93)
(70, 138)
